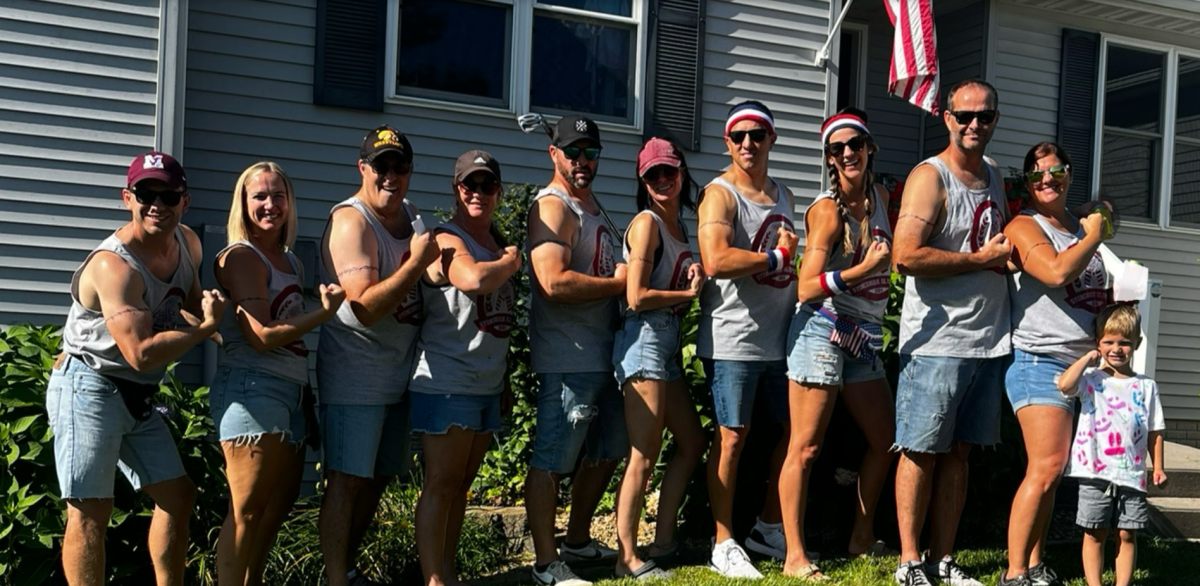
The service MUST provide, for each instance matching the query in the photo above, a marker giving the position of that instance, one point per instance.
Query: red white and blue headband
(750, 112)
(843, 121)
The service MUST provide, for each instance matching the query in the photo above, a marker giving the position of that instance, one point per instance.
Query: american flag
(914, 73)
(861, 340)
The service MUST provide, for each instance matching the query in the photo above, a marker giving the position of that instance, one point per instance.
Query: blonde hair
(1119, 319)
(238, 226)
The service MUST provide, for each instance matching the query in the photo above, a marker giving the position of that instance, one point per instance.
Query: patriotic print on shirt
(914, 74)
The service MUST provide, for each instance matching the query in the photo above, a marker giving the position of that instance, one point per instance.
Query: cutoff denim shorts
(813, 359)
(248, 403)
(942, 399)
(735, 383)
(436, 413)
(578, 412)
(368, 441)
(648, 347)
(1032, 380)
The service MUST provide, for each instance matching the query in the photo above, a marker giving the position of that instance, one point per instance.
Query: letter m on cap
(153, 162)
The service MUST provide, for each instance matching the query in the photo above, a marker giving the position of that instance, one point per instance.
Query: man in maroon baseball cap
(136, 306)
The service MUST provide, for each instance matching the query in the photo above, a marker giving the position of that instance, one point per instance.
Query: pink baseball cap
(657, 151)
(156, 165)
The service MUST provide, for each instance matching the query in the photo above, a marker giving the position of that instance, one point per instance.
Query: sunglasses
(486, 186)
(665, 171)
(835, 149)
(1057, 172)
(965, 117)
(756, 135)
(381, 168)
(147, 196)
(589, 153)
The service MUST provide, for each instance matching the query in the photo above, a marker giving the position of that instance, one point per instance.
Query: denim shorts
(368, 441)
(1032, 380)
(436, 413)
(578, 412)
(94, 435)
(1103, 504)
(647, 347)
(941, 399)
(735, 383)
(813, 359)
(248, 403)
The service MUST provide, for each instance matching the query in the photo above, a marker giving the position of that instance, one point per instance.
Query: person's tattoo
(915, 217)
(549, 241)
(125, 311)
(1030, 249)
(248, 299)
(640, 258)
(717, 222)
(349, 270)
(817, 249)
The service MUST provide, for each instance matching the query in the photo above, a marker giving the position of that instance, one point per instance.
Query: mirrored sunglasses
(1057, 172)
(589, 153)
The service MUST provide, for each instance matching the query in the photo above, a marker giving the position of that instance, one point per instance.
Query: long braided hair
(835, 187)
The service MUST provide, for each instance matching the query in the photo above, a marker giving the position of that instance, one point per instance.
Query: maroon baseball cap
(657, 151)
(156, 165)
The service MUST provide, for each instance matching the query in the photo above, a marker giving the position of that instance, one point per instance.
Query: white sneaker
(912, 574)
(731, 561)
(558, 573)
(950, 573)
(594, 551)
(768, 539)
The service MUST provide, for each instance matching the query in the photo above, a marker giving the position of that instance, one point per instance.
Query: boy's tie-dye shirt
(1117, 416)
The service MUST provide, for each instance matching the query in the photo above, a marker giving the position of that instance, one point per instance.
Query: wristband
(775, 259)
(787, 256)
(832, 283)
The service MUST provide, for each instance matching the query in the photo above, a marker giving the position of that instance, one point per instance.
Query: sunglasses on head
(835, 149)
(665, 171)
(756, 135)
(1057, 172)
(147, 196)
(382, 168)
(589, 153)
(965, 117)
(486, 186)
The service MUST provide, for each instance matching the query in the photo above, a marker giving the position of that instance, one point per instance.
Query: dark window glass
(1185, 199)
(849, 62)
(1187, 104)
(1133, 89)
(614, 7)
(582, 67)
(1128, 176)
(454, 47)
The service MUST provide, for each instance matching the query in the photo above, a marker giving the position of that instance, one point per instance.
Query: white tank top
(670, 273)
(867, 300)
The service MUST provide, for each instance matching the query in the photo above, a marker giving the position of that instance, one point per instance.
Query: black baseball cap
(472, 161)
(385, 139)
(573, 128)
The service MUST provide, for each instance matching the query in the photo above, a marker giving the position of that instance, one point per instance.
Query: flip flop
(649, 571)
(812, 573)
(669, 555)
(879, 549)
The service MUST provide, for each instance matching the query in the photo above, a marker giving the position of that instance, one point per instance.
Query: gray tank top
(369, 365)
(463, 346)
(576, 337)
(670, 272)
(867, 300)
(1058, 321)
(747, 318)
(86, 335)
(964, 315)
(286, 300)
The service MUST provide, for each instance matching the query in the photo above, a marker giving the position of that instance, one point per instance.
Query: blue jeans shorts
(735, 383)
(436, 413)
(1103, 504)
(368, 441)
(578, 412)
(941, 399)
(647, 347)
(94, 435)
(813, 359)
(1032, 380)
(248, 403)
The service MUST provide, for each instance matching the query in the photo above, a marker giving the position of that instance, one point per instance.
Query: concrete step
(1175, 517)
(1183, 472)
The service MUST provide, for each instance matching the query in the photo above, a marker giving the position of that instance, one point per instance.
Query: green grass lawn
(1160, 563)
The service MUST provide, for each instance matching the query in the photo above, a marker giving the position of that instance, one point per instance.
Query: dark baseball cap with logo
(472, 161)
(573, 128)
(156, 165)
(385, 139)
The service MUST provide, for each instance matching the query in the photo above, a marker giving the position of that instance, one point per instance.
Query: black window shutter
(348, 69)
(1077, 108)
(674, 74)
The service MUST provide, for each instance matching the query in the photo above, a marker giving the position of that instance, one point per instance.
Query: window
(852, 67)
(552, 56)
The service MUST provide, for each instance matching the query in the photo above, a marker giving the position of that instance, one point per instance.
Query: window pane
(1187, 122)
(1133, 89)
(433, 55)
(614, 7)
(582, 67)
(1128, 175)
(848, 69)
(1185, 199)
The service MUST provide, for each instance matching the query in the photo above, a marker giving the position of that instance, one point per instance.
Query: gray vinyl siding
(78, 94)
(1027, 77)
(961, 37)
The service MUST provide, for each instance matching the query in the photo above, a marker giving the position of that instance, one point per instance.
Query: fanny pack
(862, 340)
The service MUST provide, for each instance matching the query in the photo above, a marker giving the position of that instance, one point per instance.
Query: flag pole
(823, 54)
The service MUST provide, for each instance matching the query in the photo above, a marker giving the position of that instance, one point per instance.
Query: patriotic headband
(843, 121)
(750, 111)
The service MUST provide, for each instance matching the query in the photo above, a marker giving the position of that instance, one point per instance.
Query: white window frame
(1170, 90)
(521, 62)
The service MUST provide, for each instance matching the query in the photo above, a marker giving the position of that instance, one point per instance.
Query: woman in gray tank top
(257, 398)
(460, 384)
(843, 291)
(1055, 296)
(662, 281)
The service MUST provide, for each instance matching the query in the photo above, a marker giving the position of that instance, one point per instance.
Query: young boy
(1120, 416)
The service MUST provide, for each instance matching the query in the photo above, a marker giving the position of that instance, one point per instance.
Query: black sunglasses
(486, 186)
(756, 135)
(381, 168)
(589, 153)
(965, 117)
(1057, 172)
(665, 171)
(835, 149)
(147, 196)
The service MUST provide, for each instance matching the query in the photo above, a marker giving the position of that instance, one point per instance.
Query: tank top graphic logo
(409, 310)
(767, 239)
(166, 316)
(1088, 292)
(679, 279)
(987, 223)
(875, 287)
(494, 312)
(288, 304)
(604, 264)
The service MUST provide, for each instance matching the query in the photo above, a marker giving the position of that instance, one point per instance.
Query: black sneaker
(1021, 580)
(1043, 575)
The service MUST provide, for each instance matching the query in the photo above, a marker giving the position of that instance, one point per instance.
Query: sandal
(669, 553)
(879, 549)
(648, 571)
(811, 573)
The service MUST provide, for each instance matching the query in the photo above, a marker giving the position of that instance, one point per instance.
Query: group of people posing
(414, 328)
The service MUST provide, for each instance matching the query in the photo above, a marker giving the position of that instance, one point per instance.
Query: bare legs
(921, 478)
(1093, 555)
(347, 508)
(1047, 433)
(541, 500)
(443, 502)
(810, 408)
(871, 405)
